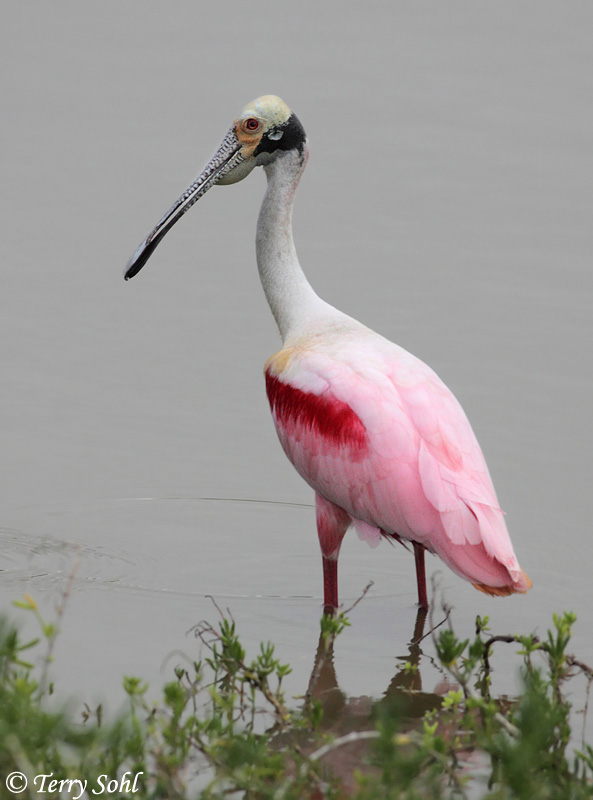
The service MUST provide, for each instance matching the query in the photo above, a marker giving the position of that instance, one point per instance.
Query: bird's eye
(252, 124)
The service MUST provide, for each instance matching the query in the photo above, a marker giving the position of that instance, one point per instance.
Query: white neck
(288, 292)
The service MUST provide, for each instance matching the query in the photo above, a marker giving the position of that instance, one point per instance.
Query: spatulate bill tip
(139, 259)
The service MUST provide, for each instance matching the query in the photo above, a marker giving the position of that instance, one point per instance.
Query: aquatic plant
(223, 727)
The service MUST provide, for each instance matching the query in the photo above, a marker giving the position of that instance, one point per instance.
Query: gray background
(447, 204)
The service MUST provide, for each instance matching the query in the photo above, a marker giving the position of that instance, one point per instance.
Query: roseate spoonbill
(373, 430)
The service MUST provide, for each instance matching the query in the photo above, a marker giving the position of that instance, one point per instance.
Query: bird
(382, 441)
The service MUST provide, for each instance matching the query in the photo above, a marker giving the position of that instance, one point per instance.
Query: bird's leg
(419, 626)
(420, 575)
(332, 524)
(330, 585)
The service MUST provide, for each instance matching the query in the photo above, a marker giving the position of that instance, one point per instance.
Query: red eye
(252, 124)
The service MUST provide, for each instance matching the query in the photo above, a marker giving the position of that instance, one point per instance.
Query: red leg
(420, 575)
(330, 585)
(332, 524)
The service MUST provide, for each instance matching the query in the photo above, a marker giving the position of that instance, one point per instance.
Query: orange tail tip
(495, 591)
(528, 583)
(504, 591)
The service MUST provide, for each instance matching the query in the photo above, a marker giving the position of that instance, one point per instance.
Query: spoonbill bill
(379, 437)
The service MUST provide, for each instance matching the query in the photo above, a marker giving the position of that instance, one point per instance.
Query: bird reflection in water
(404, 698)
(342, 714)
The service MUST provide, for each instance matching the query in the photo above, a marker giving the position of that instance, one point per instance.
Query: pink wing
(377, 433)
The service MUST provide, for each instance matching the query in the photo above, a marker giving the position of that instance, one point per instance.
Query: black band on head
(293, 138)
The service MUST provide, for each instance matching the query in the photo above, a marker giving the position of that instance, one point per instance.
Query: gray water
(447, 204)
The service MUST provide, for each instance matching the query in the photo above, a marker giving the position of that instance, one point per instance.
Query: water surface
(446, 204)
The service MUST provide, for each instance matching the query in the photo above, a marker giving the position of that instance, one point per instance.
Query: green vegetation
(224, 728)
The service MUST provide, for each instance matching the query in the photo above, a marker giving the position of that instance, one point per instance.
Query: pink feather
(377, 434)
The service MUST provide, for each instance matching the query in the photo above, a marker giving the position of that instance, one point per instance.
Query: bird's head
(265, 129)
